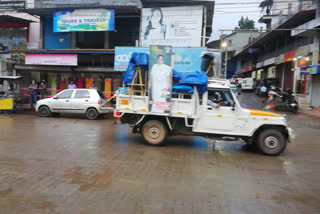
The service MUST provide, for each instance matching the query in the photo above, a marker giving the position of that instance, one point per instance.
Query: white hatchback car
(78, 101)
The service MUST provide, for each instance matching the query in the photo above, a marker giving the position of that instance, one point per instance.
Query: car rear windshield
(101, 95)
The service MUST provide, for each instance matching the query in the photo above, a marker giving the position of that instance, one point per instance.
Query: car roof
(78, 89)
(217, 85)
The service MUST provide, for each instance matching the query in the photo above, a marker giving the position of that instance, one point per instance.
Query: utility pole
(226, 62)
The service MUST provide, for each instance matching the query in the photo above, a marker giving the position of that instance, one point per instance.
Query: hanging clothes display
(88, 82)
(107, 88)
(62, 84)
(98, 82)
(52, 82)
(80, 82)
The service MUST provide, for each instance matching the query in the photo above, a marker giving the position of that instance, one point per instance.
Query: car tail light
(100, 101)
(117, 114)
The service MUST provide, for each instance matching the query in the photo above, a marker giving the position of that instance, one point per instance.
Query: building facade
(77, 39)
(283, 51)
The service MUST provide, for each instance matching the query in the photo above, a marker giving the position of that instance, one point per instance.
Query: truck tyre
(44, 111)
(92, 114)
(154, 132)
(271, 142)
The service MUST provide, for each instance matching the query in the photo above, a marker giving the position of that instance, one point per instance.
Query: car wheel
(271, 142)
(44, 111)
(154, 133)
(92, 114)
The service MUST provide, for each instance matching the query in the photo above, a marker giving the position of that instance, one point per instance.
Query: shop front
(289, 65)
(247, 70)
(314, 71)
(59, 70)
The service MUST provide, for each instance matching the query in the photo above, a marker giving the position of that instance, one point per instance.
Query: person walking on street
(33, 93)
(72, 85)
(43, 89)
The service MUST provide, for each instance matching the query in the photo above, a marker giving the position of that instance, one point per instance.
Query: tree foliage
(246, 23)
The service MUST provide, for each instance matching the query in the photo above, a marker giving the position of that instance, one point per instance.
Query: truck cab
(196, 115)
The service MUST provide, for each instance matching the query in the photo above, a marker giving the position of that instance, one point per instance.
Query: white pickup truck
(191, 115)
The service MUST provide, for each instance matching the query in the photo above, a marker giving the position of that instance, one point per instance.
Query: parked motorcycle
(286, 99)
(291, 100)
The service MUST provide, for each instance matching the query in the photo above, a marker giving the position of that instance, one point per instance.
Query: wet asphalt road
(71, 165)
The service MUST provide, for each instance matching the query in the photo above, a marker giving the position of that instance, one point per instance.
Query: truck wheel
(44, 111)
(92, 114)
(271, 142)
(154, 133)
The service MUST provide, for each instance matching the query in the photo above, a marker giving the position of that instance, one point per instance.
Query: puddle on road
(89, 181)
(217, 145)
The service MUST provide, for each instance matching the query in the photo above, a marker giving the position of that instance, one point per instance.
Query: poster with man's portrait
(160, 78)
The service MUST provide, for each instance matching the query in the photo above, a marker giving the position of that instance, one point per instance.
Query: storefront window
(272, 72)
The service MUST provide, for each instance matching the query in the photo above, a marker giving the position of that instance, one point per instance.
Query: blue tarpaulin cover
(186, 82)
(136, 59)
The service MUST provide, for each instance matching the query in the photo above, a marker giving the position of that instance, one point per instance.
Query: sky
(228, 12)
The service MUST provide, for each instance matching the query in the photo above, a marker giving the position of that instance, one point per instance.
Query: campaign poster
(83, 20)
(160, 78)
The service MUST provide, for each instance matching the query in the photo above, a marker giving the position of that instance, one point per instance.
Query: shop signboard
(175, 26)
(83, 20)
(289, 56)
(186, 59)
(160, 78)
(312, 69)
(260, 64)
(248, 68)
(269, 61)
(12, 5)
(51, 59)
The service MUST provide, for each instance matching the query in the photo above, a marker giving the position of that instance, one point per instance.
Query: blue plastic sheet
(136, 59)
(191, 78)
(140, 58)
(182, 88)
(186, 82)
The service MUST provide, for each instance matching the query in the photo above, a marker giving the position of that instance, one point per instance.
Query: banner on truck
(175, 26)
(83, 20)
(186, 59)
(160, 78)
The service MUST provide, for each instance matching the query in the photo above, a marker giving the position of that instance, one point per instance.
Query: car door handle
(210, 108)
(86, 100)
(67, 101)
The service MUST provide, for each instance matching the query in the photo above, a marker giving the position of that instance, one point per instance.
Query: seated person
(216, 101)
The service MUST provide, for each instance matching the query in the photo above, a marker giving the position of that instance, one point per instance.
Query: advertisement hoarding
(160, 78)
(51, 59)
(186, 59)
(83, 20)
(175, 26)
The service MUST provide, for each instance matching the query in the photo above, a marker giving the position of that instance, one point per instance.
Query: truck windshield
(224, 95)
